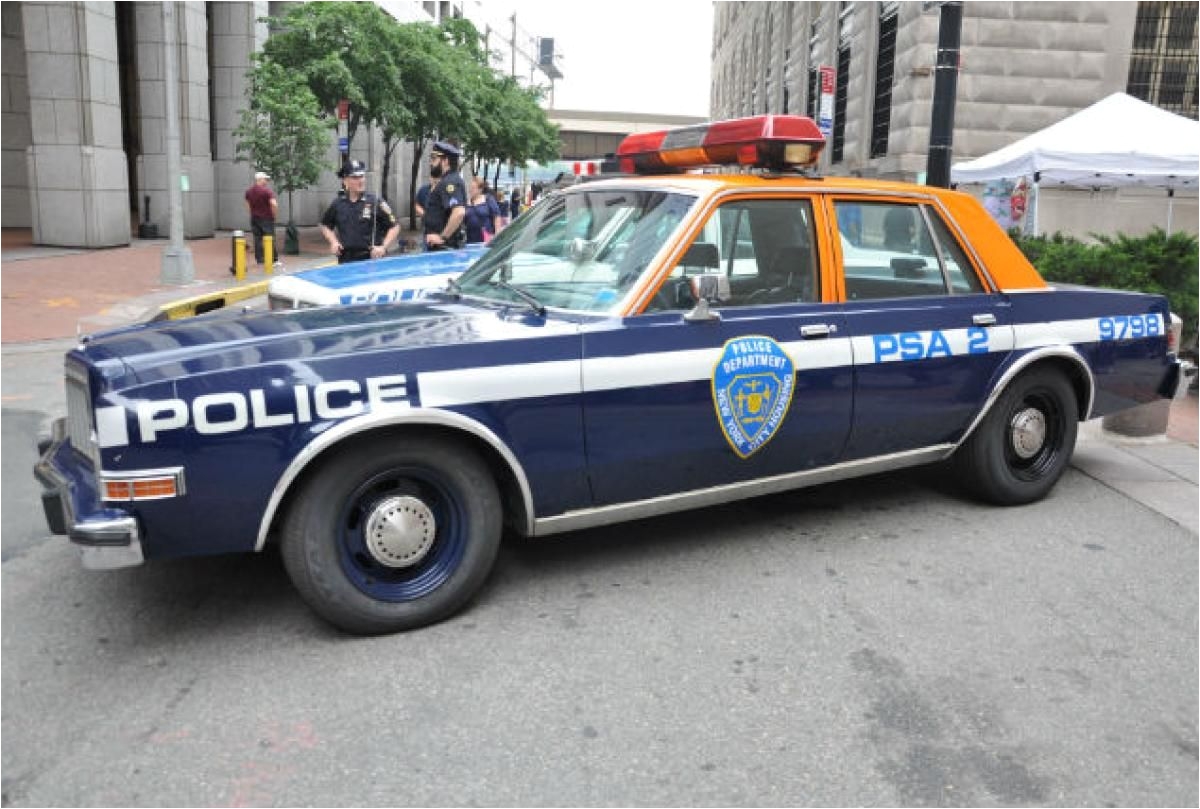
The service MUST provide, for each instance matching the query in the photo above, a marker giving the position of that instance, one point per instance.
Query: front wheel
(1020, 449)
(394, 534)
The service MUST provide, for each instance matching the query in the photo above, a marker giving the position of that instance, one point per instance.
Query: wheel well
(1075, 375)
(511, 499)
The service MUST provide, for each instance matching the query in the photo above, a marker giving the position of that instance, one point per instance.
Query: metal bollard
(239, 255)
(268, 253)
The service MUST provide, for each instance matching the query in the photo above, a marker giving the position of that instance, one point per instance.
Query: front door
(673, 405)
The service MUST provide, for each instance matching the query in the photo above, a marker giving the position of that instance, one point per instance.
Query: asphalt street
(878, 642)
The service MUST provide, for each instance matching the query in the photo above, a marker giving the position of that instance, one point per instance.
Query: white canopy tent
(1117, 142)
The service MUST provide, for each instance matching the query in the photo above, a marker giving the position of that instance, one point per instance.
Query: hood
(222, 342)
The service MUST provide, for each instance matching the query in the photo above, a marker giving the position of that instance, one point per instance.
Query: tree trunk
(418, 152)
(388, 145)
(351, 129)
(291, 242)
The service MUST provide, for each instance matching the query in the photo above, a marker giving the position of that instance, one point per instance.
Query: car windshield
(580, 250)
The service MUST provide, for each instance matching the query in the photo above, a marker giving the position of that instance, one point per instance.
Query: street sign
(825, 108)
(343, 109)
(343, 144)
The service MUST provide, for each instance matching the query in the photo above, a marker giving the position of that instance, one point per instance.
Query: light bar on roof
(763, 141)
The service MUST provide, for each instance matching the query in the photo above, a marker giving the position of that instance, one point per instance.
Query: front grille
(80, 430)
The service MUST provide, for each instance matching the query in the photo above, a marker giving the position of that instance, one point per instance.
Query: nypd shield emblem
(752, 390)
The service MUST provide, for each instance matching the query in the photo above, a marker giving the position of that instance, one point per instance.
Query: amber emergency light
(774, 142)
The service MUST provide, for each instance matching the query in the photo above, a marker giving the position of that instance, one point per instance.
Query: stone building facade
(1023, 66)
(84, 118)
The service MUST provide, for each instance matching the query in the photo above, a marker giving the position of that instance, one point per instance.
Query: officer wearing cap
(447, 203)
(358, 225)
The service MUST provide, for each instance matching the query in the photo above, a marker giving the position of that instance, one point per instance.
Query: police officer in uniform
(447, 203)
(358, 225)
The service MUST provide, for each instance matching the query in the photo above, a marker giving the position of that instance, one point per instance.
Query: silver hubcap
(1028, 432)
(400, 531)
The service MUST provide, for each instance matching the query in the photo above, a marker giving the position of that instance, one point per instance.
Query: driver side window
(766, 248)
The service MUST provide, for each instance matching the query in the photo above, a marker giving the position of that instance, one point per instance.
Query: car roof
(710, 182)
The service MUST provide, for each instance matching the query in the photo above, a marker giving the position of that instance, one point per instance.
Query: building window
(1162, 65)
(885, 68)
(787, 81)
(813, 104)
(839, 103)
(842, 91)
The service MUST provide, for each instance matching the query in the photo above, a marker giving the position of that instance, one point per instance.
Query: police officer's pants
(349, 254)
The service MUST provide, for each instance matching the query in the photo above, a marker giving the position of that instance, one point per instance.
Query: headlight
(81, 426)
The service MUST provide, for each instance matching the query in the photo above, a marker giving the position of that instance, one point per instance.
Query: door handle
(984, 320)
(815, 330)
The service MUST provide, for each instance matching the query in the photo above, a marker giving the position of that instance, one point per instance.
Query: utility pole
(177, 267)
(945, 90)
(513, 44)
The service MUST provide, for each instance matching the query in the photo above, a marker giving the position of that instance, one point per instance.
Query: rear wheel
(1020, 449)
(393, 535)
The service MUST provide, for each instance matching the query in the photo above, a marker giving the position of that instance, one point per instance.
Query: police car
(405, 277)
(628, 348)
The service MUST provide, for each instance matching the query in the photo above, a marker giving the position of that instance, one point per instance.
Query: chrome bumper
(104, 542)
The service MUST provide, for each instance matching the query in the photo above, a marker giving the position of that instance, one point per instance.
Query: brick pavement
(47, 292)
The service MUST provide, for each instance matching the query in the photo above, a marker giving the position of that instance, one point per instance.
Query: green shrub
(1157, 263)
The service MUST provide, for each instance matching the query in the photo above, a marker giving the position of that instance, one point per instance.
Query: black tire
(393, 534)
(1020, 449)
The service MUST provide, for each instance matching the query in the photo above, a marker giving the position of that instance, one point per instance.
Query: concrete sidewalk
(51, 293)
(1160, 473)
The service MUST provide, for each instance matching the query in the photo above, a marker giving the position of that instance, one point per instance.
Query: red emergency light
(774, 142)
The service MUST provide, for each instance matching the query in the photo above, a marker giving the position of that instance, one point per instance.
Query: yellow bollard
(239, 255)
(268, 252)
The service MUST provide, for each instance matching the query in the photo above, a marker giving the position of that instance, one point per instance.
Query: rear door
(928, 333)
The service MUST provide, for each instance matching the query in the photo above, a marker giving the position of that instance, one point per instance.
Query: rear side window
(959, 272)
(889, 251)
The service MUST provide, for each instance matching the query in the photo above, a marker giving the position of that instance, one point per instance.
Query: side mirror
(581, 250)
(712, 287)
(706, 289)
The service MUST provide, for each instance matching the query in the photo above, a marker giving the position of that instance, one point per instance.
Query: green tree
(342, 50)
(444, 97)
(512, 126)
(415, 81)
(283, 133)
(438, 98)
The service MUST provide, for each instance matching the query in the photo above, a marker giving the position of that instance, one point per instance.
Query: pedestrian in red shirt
(263, 208)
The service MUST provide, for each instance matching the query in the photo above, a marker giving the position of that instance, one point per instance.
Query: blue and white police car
(405, 277)
(629, 347)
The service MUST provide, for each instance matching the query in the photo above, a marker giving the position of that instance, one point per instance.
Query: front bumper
(106, 538)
